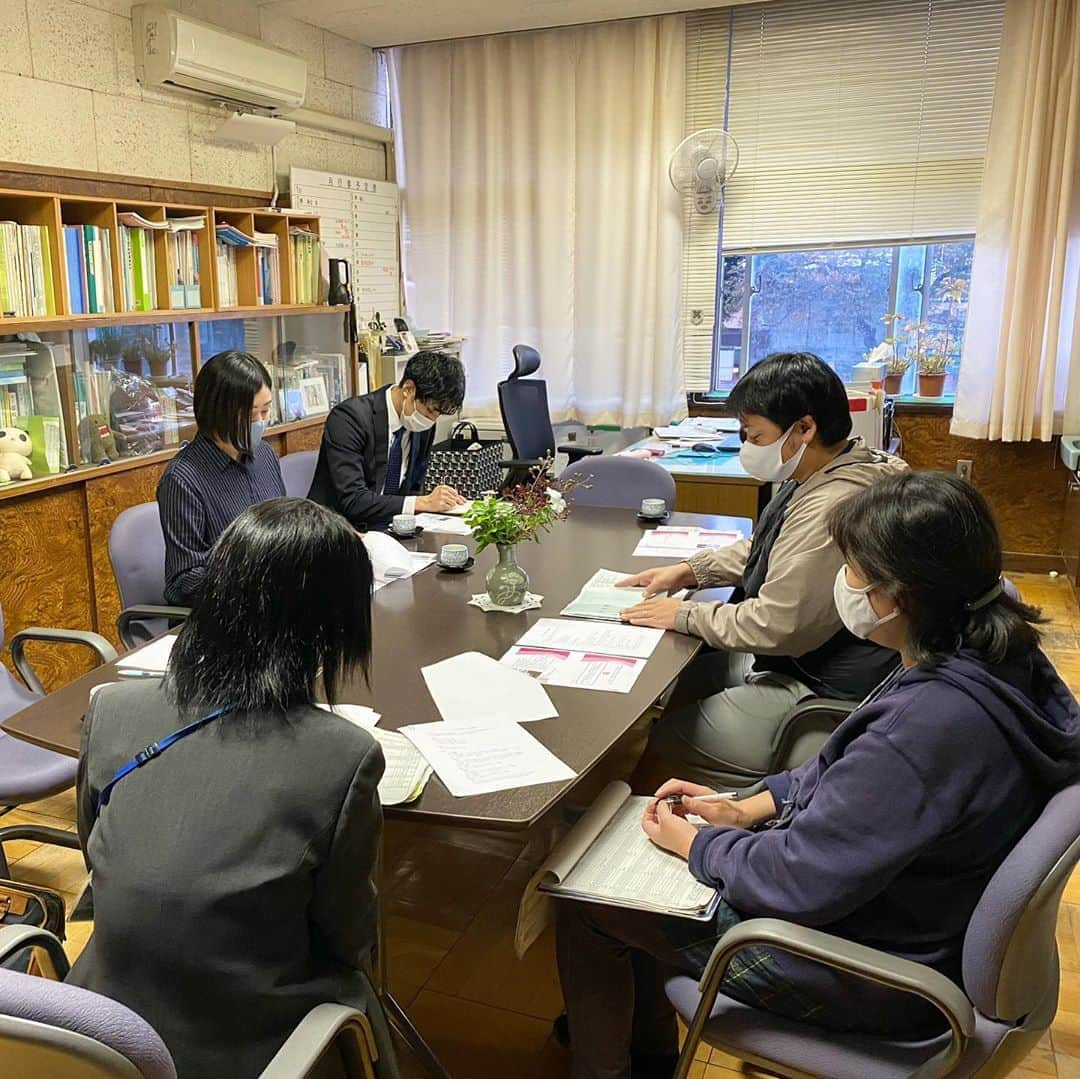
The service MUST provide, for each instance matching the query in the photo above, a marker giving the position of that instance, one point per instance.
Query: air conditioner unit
(174, 50)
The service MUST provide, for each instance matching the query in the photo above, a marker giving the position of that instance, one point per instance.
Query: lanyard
(155, 750)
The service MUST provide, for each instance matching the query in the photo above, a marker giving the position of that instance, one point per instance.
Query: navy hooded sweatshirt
(890, 835)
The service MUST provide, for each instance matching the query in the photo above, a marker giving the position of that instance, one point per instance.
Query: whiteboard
(359, 222)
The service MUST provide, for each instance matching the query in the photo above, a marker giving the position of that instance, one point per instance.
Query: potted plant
(894, 373)
(933, 366)
(526, 512)
(936, 353)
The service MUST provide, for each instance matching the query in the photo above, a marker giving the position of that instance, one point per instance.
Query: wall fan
(702, 164)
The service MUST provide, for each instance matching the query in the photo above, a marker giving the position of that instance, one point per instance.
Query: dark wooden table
(426, 618)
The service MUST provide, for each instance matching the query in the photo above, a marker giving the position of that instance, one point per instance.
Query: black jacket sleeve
(344, 441)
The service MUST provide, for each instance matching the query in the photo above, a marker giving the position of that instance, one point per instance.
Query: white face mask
(854, 607)
(416, 421)
(766, 463)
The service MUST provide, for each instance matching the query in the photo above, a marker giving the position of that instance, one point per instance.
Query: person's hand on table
(726, 813)
(654, 613)
(668, 830)
(661, 579)
(441, 500)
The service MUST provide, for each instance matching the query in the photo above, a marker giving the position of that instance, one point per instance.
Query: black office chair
(523, 402)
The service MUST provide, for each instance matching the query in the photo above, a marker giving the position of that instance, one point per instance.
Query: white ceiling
(398, 22)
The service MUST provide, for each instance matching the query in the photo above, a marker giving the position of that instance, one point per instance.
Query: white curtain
(1023, 323)
(537, 209)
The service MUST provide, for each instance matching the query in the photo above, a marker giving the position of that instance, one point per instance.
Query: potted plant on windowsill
(932, 370)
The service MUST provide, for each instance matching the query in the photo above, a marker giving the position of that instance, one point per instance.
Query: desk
(425, 618)
(711, 482)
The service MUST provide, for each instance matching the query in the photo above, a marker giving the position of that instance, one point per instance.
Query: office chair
(49, 1028)
(297, 472)
(29, 773)
(1010, 979)
(523, 402)
(619, 481)
(137, 555)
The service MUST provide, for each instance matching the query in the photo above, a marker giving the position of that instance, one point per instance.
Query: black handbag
(466, 462)
(26, 904)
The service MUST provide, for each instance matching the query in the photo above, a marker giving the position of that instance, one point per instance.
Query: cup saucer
(417, 531)
(456, 569)
(658, 519)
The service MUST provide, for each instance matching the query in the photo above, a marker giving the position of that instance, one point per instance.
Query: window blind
(857, 121)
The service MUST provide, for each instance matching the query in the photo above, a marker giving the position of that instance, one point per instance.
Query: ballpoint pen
(676, 799)
(130, 672)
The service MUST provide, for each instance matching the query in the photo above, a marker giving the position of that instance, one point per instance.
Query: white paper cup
(404, 524)
(652, 507)
(453, 555)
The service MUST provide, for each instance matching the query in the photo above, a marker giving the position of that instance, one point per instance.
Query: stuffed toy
(96, 439)
(15, 451)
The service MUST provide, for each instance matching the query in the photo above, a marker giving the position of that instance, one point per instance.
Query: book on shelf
(304, 246)
(26, 282)
(30, 400)
(89, 269)
(138, 268)
(267, 268)
(182, 252)
(228, 293)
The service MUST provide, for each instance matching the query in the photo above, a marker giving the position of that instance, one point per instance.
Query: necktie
(393, 464)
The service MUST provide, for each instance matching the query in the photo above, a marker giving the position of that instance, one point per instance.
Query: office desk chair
(1010, 979)
(49, 1028)
(620, 482)
(29, 773)
(297, 472)
(137, 554)
(523, 402)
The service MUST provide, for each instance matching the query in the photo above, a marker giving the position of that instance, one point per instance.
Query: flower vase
(506, 581)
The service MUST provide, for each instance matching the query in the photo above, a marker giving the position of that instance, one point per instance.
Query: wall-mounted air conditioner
(188, 54)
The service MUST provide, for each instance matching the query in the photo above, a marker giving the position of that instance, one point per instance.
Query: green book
(45, 436)
(135, 263)
(92, 269)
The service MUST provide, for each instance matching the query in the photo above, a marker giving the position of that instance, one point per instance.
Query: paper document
(459, 511)
(635, 641)
(151, 657)
(576, 670)
(674, 542)
(608, 858)
(391, 560)
(359, 714)
(447, 524)
(481, 757)
(407, 772)
(476, 688)
(600, 598)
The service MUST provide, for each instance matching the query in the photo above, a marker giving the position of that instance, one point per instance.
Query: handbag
(26, 904)
(466, 462)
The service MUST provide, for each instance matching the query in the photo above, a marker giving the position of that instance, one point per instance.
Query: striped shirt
(199, 495)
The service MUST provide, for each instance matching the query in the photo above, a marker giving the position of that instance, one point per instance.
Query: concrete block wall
(69, 97)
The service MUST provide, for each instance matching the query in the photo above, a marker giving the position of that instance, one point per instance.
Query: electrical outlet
(963, 470)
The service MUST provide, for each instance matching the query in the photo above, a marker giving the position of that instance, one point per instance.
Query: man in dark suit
(375, 448)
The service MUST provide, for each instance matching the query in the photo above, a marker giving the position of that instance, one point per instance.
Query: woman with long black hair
(232, 870)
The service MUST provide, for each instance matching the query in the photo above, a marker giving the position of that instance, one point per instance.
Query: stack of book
(15, 400)
(26, 280)
(305, 260)
(138, 262)
(229, 239)
(183, 255)
(30, 400)
(89, 270)
(267, 269)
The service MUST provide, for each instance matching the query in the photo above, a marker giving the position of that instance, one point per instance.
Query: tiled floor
(452, 900)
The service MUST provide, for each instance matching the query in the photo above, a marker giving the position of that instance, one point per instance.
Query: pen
(129, 672)
(676, 799)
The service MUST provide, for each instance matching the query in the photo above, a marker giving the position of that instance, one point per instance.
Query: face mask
(766, 463)
(257, 428)
(854, 607)
(416, 421)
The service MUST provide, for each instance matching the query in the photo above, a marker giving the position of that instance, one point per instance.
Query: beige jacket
(793, 612)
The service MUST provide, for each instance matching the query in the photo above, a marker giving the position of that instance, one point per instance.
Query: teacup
(404, 524)
(453, 555)
(653, 507)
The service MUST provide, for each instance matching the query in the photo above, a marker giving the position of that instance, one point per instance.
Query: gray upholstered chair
(1010, 979)
(28, 772)
(137, 554)
(619, 481)
(297, 471)
(48, 1028)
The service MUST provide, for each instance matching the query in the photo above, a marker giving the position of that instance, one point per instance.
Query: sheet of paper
(359, 714)
(407, 772)
(482, 757)
(473, 687)
(417, 561)
(151, 657)
(446, 524)
(576, 670)
(459, 511)
(600, 599)
(617, 640)
(674, 542)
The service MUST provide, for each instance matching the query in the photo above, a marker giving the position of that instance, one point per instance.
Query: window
(861, 127)
(835, 301)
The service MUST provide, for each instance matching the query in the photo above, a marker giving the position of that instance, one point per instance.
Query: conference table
(426, 618)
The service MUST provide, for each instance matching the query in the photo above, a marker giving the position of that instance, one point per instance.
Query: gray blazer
(232, 875)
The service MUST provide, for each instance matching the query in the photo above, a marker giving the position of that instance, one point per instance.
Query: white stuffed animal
(15, 451)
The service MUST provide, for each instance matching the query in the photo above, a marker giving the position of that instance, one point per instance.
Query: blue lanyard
(155, 750)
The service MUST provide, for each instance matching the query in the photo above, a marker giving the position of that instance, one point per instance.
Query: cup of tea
(404, 524)
(652, 507)
(453, 555)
